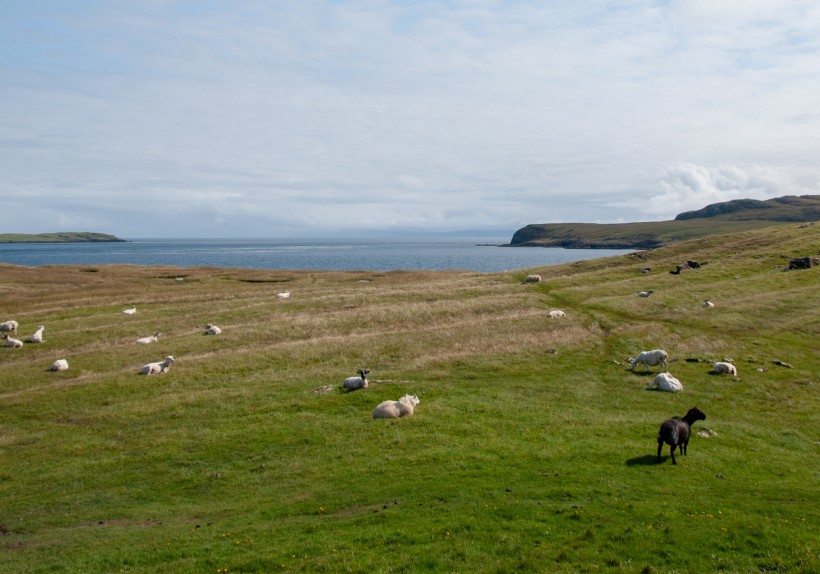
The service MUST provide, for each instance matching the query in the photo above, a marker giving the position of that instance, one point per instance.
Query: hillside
(58, 237)
(533, 448)
(716, 219)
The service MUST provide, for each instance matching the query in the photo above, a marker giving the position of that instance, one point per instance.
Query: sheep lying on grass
(16, 343)
(59, 365)
(723, 368)
(146, 340)
(157, 368)
(675, 432)
(9, 327)
(533, 279)
(212, 330)
(355, 383)
(556, 313)
(650, 359)
(37, 337)
(283, 295)
(665, 382)
(645, 293)
(131, 311)
(404, 407)
(708, 304)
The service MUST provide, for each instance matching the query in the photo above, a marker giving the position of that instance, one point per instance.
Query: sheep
(708, 304)
(355, 383)
(283, 295)
(645, 293)
(9, 327)
(131, 311)
(533, 279)
(665, 382)
(212, 330)
(405, 406)
(724, 368)
(650, 359)
(675, 432)
(556, 313)
(59, 365)
(145, 340)
(16, 343)
(157, 368)
(37, 337)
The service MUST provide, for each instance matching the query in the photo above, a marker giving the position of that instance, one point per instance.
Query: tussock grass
(533, 447)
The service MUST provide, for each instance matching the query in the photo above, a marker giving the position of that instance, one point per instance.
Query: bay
(482, 254)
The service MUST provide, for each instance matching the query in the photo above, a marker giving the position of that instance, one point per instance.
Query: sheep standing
(665, 382)
(59, 365)
(556, 314)
(650, 359)
(533, 279)
(675, 432)
(723, 368)
(355, 383)
(404, 407)
(37, 337)
(157, 368)
(212, 330)
(16, 343)
(146, 340)
(9, 327)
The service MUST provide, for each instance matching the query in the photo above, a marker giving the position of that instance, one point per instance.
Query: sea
(483, 254)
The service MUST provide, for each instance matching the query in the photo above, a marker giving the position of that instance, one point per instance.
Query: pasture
(532, 448)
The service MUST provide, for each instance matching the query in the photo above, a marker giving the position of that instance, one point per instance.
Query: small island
(58, 237)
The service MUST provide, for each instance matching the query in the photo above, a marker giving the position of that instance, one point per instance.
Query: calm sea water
(473, 254)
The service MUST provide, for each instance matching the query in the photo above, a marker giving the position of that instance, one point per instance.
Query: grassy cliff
(533, 447)
(59, 237)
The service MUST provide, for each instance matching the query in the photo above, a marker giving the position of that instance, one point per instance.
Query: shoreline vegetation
(59, 237)
(533, 447)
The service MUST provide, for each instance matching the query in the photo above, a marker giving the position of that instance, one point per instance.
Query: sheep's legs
(660, 446)
(672, 452)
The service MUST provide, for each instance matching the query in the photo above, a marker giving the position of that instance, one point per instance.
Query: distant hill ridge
(58, 237)
(715, 219)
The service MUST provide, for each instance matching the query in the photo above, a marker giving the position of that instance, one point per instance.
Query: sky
(309, 118)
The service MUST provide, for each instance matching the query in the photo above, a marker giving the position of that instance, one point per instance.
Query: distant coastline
(59, 237)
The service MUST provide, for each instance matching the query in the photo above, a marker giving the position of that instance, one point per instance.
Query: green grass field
(532, 450)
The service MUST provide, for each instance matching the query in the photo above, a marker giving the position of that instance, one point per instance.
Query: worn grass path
(533, 447)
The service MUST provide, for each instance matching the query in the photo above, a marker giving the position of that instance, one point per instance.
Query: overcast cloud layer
(156, 118)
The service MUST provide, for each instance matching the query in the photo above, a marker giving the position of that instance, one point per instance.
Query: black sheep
(675, 432)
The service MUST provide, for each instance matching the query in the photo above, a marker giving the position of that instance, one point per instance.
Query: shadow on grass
(645, 460)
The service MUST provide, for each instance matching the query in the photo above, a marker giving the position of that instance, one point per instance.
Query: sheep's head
(410, 399)
(695, 414)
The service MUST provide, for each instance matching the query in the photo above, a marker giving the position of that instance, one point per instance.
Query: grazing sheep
(708, 304)
(157, 368)
(131, 311)
(145, 340)
(283, 295)
(645, 293)
(533, 279)
(556, 313)
(404, 407)
(16, 343)
(650, 359)
(9, 327)
(665, 382)
(37, 337)
(355, 383)
(212, 330)
(675, 432)
(723, 368)
(59, 365)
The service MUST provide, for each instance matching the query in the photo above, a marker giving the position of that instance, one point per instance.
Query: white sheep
(37, 337)
(404, 407)
(283, 295)
(59, 365)
(645, 293)
(146, 340)
(131, 311)
(723, 368)
(355, 383)
(708, 304)
(556, 313)
(212, 330)
(650, 359)
(9, 327)
(533, 279)
(16, 343)
(665, 382)
(157, 368)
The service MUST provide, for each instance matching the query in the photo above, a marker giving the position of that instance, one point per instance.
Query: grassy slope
(59, 237)
(531, 448)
